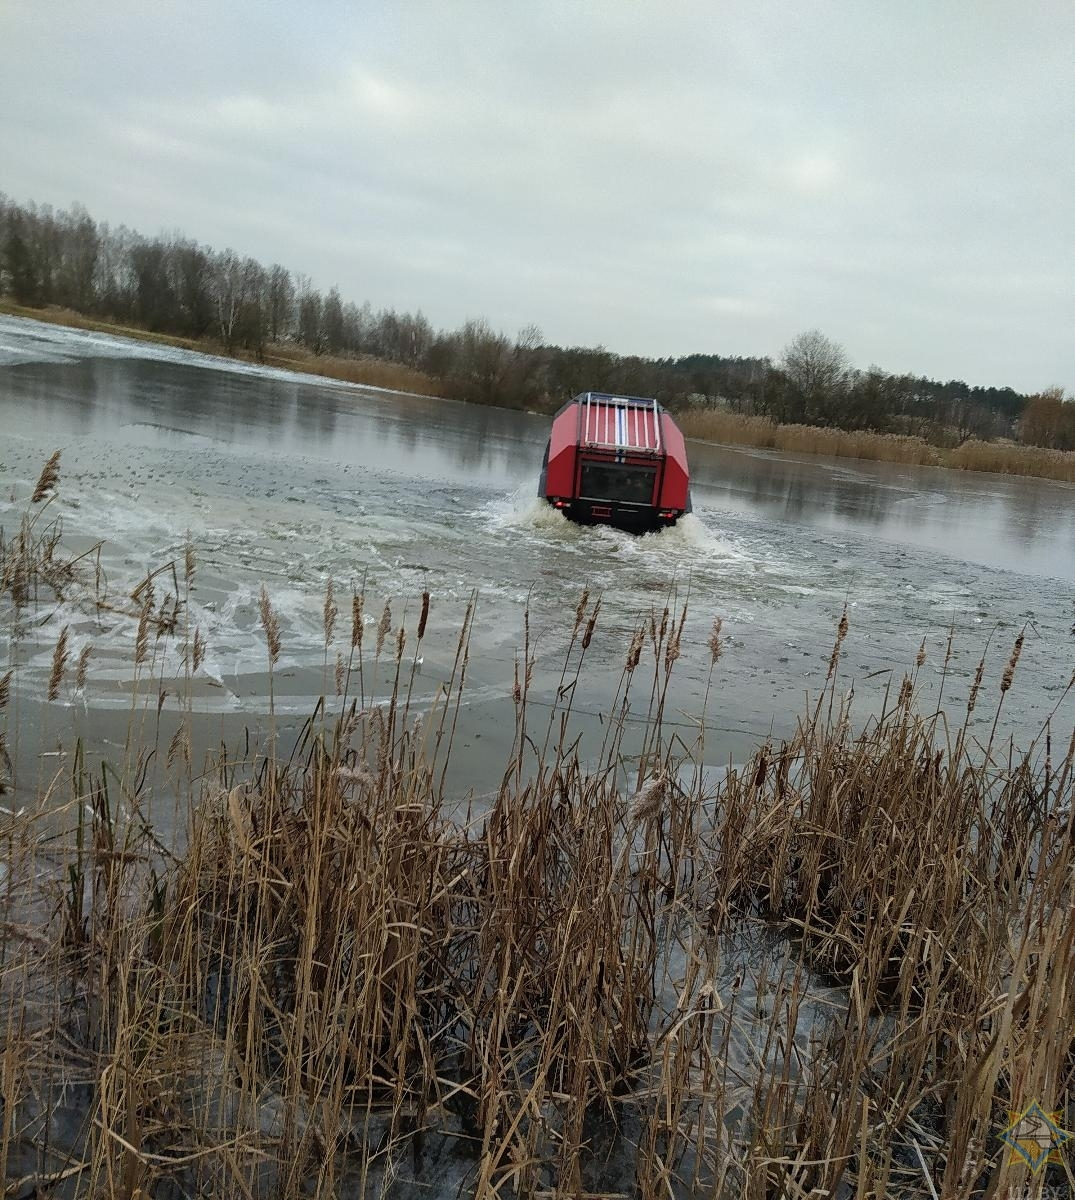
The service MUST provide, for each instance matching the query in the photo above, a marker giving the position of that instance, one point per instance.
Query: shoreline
(368, 372)
(708, 426)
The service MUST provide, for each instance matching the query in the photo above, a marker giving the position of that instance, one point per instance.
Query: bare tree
(227, 290)
(814, 362)
(309, 322)
(155, 303)
(529, 337)
(192, 271)
(817, 370)
(253, 306)
(81, 245)
(483, 360)
(18, 259)
(281, 299)
(332, 321)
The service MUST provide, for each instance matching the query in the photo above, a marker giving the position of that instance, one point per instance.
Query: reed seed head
(921, 657)
(329, 613)
(588, 635)
(59, 665)
(167, 618)
(646, 802)
(674, 642)
(188, 561)
(271, 624)
(356, 620)
(198, 656)
(580, 608)
(359, 776)
(383, 626)
(179, 746)
(841, 633)
(20, 581)
(141, 641)
(671, 652)
(716, 641)
(5, 689)
(634, 652)
(972, 699)
(83, 664)
(47, 480)
(1013, 662)
(424, 616)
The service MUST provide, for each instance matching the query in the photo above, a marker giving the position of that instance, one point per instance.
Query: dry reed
(270, 623)
(1005, 458)
(833, 973)
(362, 369)
(59, 665)
(47, 480)
(82, 667)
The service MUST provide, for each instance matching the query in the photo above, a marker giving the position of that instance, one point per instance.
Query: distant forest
(170, 284)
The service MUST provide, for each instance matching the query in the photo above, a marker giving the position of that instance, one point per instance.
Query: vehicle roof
(609, 422)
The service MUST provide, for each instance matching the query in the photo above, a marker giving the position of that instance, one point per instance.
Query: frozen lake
(290, 481)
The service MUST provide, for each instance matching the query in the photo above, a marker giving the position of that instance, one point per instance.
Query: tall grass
(831, 973)
(1005, 458)
(719, 426)
(364, 369)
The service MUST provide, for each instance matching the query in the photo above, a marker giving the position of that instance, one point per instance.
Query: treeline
(170, 284)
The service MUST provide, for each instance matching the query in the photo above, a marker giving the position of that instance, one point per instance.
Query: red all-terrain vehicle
(616, 460)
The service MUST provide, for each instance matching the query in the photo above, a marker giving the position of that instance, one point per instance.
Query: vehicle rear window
(610, 481)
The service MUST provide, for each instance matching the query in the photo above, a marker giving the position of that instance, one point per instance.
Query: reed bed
(1006, 458)
(364, 369)
(1003, 458)
(831, 973)
(718, 425)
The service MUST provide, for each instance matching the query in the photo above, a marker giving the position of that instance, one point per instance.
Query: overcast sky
(660, 178)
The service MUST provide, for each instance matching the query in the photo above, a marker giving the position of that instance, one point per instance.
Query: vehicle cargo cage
(619, 423)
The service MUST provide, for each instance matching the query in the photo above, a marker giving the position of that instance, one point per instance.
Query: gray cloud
(657, 178)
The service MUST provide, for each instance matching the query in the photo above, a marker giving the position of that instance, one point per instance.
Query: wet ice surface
(289, 482)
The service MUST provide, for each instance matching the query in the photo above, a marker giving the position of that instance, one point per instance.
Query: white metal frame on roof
(621, 404)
